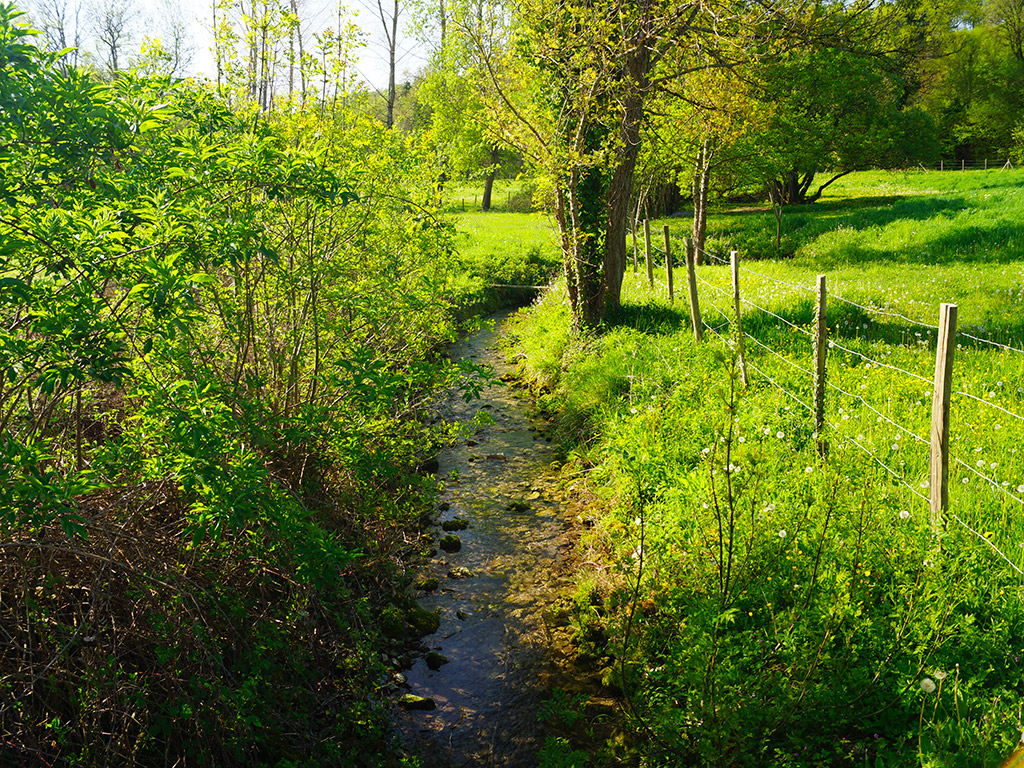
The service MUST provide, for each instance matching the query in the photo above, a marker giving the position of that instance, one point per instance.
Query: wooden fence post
(734, 258)
(691, 275)
(820, 350)
(668, 267)
(939, 470)
(636, 249)
(942, 165)
(647, 253)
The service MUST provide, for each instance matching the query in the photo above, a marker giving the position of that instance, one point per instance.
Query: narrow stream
(502, 654)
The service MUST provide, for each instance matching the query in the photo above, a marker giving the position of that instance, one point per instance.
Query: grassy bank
(755, 603)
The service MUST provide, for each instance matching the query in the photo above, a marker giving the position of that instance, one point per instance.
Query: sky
(316, 14)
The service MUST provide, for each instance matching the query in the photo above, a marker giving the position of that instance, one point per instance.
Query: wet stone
(411, 701)
(518, 506)
(460, 573)
(435, 660)
(451, 543)
(428, 584)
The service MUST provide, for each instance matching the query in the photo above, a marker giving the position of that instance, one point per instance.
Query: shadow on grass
(997, 242)
(848, 323)
(656, 320)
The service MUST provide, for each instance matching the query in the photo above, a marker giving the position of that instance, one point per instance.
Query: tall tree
(388, 12)
(114, 26)
(58, 20)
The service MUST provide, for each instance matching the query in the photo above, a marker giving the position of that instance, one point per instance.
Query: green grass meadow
(755, 602)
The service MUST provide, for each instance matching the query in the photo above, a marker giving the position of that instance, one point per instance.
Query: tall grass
(767, 606)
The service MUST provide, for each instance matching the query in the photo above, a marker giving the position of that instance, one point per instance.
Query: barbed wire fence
(728, 328)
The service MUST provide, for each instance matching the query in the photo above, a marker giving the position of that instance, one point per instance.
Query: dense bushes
(216, 345)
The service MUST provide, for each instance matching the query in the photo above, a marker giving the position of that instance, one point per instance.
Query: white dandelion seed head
(782, 533)
(808, 470)
(940, 675)
(928, 685)
(780, 435)
(904, 514)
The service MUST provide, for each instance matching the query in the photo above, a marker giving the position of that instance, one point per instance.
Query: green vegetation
(754, 603)
(218, 343)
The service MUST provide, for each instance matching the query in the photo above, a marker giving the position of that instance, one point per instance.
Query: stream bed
(500, 649)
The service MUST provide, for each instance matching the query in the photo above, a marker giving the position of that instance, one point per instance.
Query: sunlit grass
(646, 411)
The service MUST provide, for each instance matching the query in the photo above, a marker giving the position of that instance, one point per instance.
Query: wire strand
(875, 410)
(882, 464)
(781, 357)
(837, 345)
(994, 483)
(989, 341)
(990, 405)
(887, 313)
(983, 538)
(779, 386)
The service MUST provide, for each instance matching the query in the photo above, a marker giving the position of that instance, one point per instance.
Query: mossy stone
(413, 702)
(428, 584)
(435, 660)
(458, 524)
(451, 543)
(424, 622)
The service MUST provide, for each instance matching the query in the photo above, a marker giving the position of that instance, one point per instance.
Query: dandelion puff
(780, 435)
(1020, 489)
(928, 685)
(940, 675)
(981, 462)
(782, 533)
(808, 470)
(925, 483)
(904, 514)
(993, 465)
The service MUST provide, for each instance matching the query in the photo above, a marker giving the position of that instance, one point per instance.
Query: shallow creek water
(504, 654)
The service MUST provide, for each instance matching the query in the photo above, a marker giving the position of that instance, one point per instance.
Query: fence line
(990, 404)
(867, 405)
(940, 458)
(993, 343)
(871, 455)
(865, 308)
(871, 360)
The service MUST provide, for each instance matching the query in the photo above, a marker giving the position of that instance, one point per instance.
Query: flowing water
(504, 652)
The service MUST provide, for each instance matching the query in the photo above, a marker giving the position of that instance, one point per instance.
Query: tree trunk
(485, 203)
(701, 184)
(392, 46)
(620, 189)
(638, 66)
